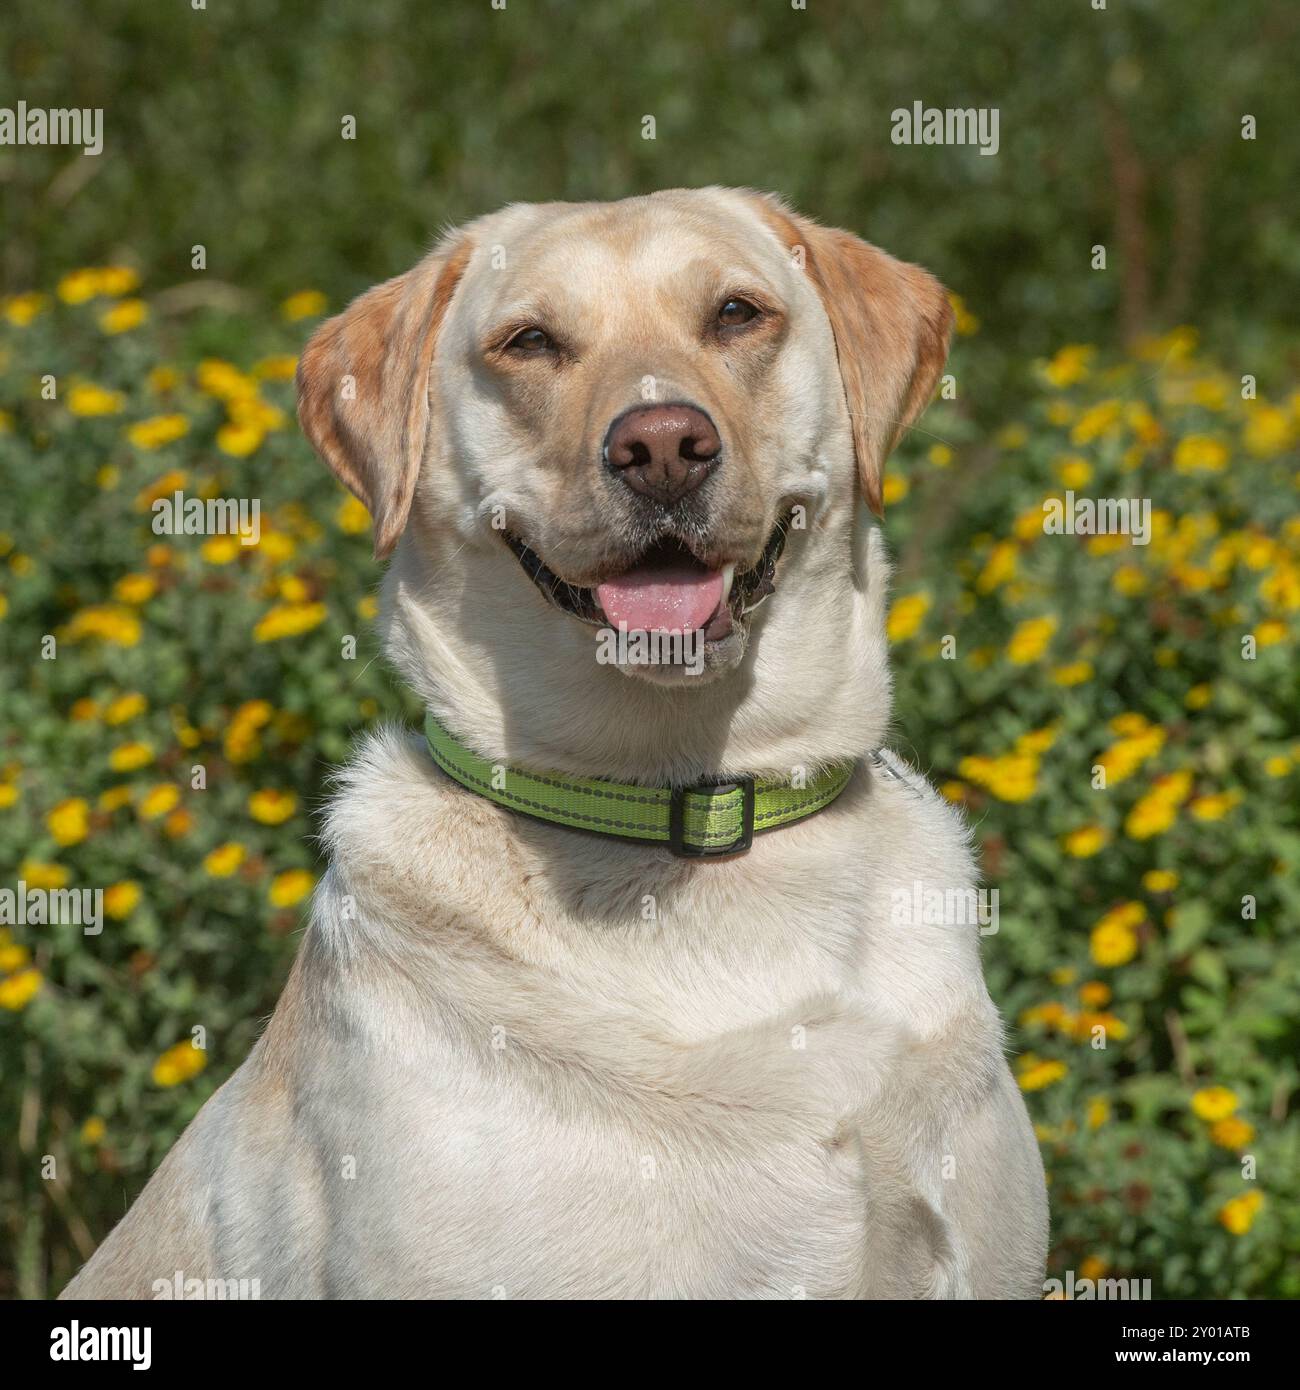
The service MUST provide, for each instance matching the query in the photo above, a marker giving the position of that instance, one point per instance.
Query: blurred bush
(1121, 127)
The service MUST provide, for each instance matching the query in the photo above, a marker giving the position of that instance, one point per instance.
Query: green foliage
(1120, 126)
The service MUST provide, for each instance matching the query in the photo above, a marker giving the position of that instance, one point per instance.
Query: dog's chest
(503, 1180)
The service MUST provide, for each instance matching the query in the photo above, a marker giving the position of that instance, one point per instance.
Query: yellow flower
(221, 550)
(125, 707)
(290, 887)
(306, 304)
(114, 280)
(1110, 1026)
(68, 822)
(1212, 1103)
(1075, 673)
(1270, 632)
(224, 860)
(171, 481)
(1093, 1266)
(1098, 1112)
(1035, 1073)
(1124, 757)
(1237, 1215)
(1200, 453)
(8, 794)
(19, 990)
(159, 800)
(127, 757)
(1085, 842)
(93, 1130)
(1129, 581)
(124, 316)
(12, 958)
(77, 286)
(179, 823)
(1053, 1014)
(963, 320)
(940, 455)
(998, 568)
(1155, 812)
(224, 381)
(36, 874)
(278, 368)
(21, 309)
(1029, 640)
(1011, 777)
(1214, 807)
(1268, 431)
(368, 606)
(894, 489)
(288, 620)
(1199, 696)
(239, 440)
(1281, 589)
(1113, 945)
(115, 798)
(1232, 1133)
(135, 588)
(119, 626)
(1073, 471)
(274, 546)
(1095, 994)
(1114, 939)
(1097, 422)
(157, 430)
(272, 807)
(121, 900)
(88, 400)
(178, 1064)
(1070, 365)
(1278, 765)
(1160, 880)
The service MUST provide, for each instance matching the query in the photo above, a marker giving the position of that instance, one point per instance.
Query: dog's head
(624, 411)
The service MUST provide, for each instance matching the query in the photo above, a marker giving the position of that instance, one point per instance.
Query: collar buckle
(711, 786)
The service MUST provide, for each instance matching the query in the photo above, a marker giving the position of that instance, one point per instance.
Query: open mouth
(666, 590)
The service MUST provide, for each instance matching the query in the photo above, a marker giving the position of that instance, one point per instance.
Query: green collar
(711, 818)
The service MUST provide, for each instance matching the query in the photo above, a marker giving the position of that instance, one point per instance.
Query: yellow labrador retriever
(615, 987)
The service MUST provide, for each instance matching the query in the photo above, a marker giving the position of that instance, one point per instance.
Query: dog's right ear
(363, 386)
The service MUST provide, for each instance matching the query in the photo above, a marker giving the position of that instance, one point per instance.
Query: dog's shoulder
(391, 797)
(918, 825)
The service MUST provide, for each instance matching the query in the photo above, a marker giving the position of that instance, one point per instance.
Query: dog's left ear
(363, 386)
(891, 322)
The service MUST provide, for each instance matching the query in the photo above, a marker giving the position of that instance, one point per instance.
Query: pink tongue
(661, 599)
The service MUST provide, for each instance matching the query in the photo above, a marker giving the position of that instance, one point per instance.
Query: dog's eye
(735, 312)
(530, 341)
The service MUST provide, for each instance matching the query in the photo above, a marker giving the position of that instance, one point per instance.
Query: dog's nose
(663, 451)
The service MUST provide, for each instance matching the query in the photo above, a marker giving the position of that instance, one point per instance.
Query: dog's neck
(517, 680)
